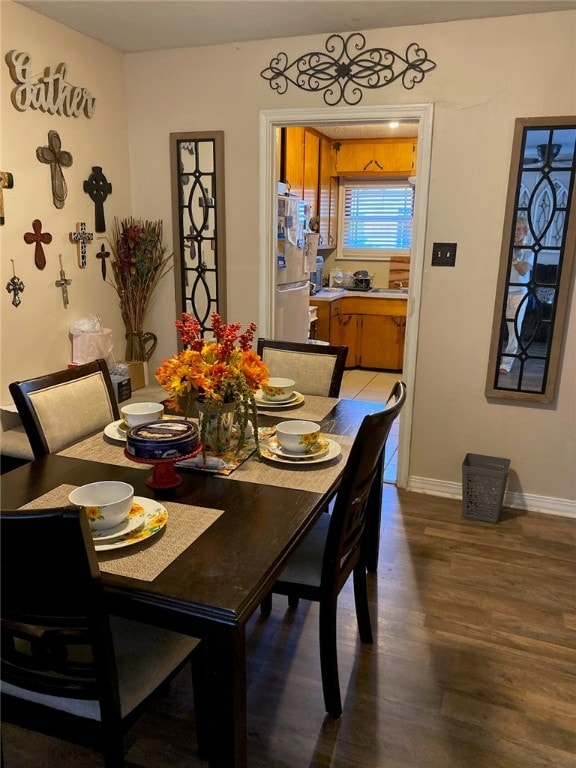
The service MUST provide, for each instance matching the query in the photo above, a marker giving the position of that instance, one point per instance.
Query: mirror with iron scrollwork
(535, 276)
(197, 171)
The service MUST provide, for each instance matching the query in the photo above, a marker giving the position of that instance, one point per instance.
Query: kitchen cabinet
(322, 319)
(372, 328)
(311, 171)
(381, 342)
(328, 195)
(393, 156)
(344, 331)
(293, 159)
(307, 164)
(301, 159)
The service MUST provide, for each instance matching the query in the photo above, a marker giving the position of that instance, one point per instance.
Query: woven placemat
(97, 448)
(302, 476)
(314, 408)
(147, 559)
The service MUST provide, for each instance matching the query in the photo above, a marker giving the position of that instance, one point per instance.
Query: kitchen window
(376, 219)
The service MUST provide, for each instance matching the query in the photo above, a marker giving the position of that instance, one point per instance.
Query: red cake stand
(164, 475)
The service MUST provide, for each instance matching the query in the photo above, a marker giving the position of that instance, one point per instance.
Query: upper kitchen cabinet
(299, 164)
(292, 159)
(327, 195)
(369, 156)
(311, 170)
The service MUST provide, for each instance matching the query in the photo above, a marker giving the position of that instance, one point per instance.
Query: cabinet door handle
(381, 167)
(367, 164)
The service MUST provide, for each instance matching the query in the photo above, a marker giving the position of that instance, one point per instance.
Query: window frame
(368, 254)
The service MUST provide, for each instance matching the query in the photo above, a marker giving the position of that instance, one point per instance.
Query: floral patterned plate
(296, 399)
(333, 451)
(320, 448)
(155, 517)
(135, 520)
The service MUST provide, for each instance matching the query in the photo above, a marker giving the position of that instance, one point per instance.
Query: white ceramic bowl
(141, 413)
(278, 389)
(297, 435)
(106, 503)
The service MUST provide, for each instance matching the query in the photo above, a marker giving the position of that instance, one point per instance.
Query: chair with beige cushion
(317, 369)
(60, 408)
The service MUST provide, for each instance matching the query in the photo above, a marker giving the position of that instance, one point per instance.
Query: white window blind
(377, 218)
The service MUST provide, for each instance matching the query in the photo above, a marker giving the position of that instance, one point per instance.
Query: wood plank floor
(473, 665)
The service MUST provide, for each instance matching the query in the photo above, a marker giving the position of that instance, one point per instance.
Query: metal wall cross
(63, 283)
(56, 158)
(15, 286)
(97, 187)
(81, 237)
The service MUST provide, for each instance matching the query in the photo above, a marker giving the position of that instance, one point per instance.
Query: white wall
(35, 336)
(488, 73)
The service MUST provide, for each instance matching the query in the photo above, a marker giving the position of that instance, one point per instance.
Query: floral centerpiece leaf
(215, 372)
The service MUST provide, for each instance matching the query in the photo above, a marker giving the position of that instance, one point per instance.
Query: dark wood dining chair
(68, 668)
(60, 408)
(317, 369)
(336, 547)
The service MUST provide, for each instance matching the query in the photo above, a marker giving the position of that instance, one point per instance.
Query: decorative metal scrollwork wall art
(347, 68)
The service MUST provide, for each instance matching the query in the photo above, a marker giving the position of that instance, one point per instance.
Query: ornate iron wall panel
(197, 163)
(346, 68)
(538, 250)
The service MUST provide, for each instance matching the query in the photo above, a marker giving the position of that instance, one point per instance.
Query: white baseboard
(527, 502)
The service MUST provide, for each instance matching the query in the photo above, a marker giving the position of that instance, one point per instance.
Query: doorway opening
(270, 122)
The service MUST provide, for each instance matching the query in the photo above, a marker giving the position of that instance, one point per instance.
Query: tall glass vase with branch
(139, 261)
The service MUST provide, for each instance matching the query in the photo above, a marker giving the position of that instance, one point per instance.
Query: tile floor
(375, 385)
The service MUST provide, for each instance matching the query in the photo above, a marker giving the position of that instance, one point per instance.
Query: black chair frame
(337, 544)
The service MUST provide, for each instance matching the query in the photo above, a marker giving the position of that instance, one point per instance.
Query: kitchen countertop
(329, 294)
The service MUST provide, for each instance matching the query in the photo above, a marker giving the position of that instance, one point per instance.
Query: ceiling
(132, 26)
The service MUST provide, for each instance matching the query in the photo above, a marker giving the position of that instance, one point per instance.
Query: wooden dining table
(211, 588)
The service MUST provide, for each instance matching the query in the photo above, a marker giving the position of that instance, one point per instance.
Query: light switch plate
(444, 254)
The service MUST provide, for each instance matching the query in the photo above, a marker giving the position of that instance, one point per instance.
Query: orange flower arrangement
(221, 370)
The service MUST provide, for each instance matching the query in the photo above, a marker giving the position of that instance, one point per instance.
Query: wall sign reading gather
(50, 92)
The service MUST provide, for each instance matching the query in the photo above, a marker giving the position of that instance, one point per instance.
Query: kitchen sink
(389, 290)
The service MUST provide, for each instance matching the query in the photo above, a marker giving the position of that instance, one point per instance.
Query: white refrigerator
(295, 259)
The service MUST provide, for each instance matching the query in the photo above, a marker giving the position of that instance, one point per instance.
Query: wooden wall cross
(103, 254)
(6, 182)
(97, 187)
(38, 238)
(81, 237)
(56, 158)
